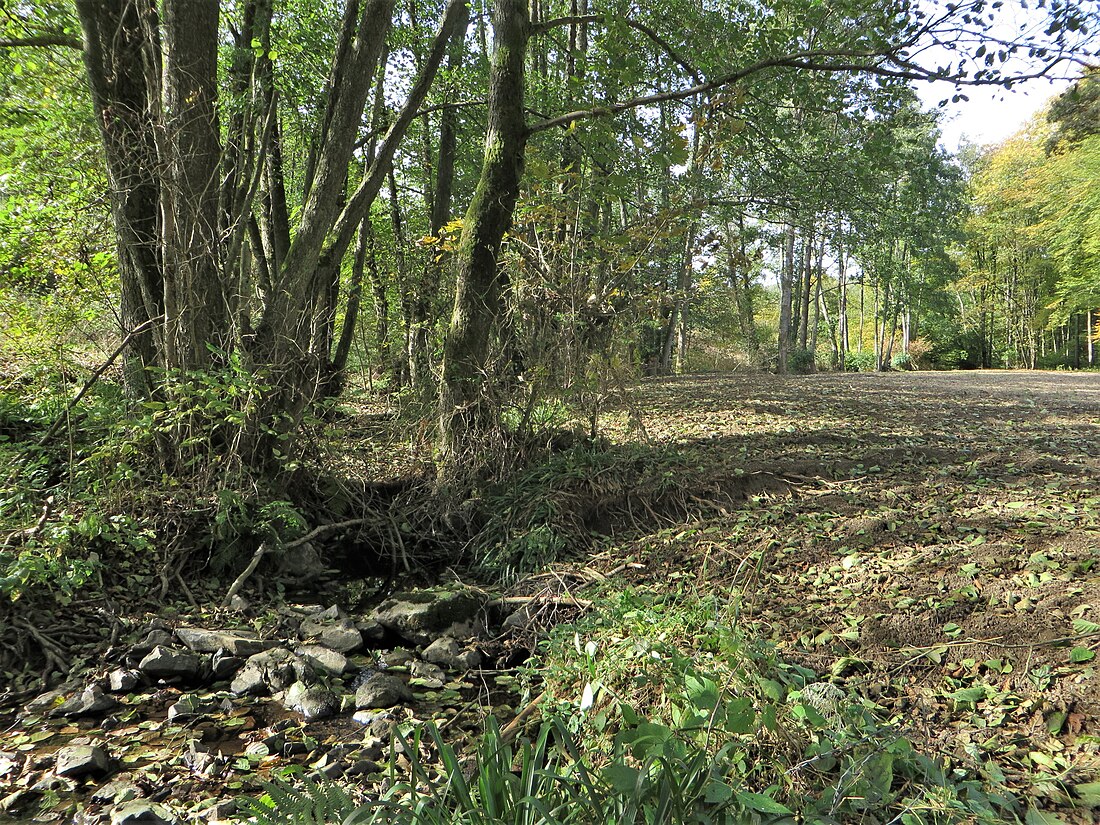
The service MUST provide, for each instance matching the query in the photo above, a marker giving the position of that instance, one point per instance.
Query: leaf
(971, 694)
(1036, 817)
(587, 697)
(622, 778)
(761, 803)
(1088, 793)
(1080, 655)
(1085, 627)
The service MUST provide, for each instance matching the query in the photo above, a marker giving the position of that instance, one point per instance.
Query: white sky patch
(992, 113)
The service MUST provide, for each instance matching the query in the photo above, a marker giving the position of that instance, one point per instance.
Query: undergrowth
(660, 712)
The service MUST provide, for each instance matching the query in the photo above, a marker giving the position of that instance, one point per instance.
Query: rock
(269, 672)
(189, 706)
(238, 643)
(141, 812)
(398, 658)
(47, 701)
(420, 616)
(448, 653)
(154, 638)
(431, 676)
(313, 702)
(167, 663)
(225, 665)
(323, 658)
(90, 702)
(122, 680)
(301, 562)
(76, 761)
(117, 791)
(382, 691)
(372, 632)
(332, 632)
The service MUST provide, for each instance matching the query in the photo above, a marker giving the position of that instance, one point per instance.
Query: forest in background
(383, 280)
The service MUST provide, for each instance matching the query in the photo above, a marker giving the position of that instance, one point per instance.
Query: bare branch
(42, 41)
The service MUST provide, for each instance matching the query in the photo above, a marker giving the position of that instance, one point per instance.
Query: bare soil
(931, 532)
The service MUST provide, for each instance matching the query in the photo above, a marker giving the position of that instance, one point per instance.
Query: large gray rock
(122, 680)
(236, 642)
(76, 761)
(168, 663)
(381, 691)
(423, 615)
(448, 653)
(323, 658)
(312, 701)
(141, 812)
(331, 631)
(90, 702)
(269, 672)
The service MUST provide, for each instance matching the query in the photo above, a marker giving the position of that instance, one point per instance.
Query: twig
(566, 600)
(238, 583)
(102, 368)
(511, 730)
(321, 530)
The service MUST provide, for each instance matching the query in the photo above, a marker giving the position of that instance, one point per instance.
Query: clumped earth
(934, 541)
(928, 541)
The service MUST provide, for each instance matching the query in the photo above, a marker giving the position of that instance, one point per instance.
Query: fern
(293, 799)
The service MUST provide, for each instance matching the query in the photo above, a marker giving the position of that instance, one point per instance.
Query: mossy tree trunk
(467, 410)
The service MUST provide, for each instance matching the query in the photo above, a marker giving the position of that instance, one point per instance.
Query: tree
(185, 198)
(872, 41)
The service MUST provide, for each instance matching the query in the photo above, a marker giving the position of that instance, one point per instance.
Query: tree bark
(466, 410)
(121, 55)
(197, 306)
(786, 286)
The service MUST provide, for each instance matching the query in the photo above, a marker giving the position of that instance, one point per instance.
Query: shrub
(859, 361)
(902, 361)
(801, 361)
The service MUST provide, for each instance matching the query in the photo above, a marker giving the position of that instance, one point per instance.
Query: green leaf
(1079, 655)
(761, 803)
(970, 694)
(622, 778)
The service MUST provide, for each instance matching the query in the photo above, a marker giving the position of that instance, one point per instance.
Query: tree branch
(40, 41)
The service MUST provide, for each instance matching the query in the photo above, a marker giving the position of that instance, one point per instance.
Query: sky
(992, 114)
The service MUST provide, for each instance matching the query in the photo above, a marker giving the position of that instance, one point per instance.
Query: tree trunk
(466, 411)
(197, 306)
(121, 55)
(786, 285)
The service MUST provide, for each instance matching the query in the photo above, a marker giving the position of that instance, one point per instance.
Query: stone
(312, 701)
(168, 663)
(431, 676)
(301, 562)
(190, 706)
(122, 680)
(225, 665)
(239, 603)
(154, 638)
(382, 691)
(323, 658)
(117, 791)
(90, 702)
(398, 658)
(141, 812)
(76, 761)
(448, 653)
(218, 810)
(422, 615)
(379, 725)
(363, 768)
(334, 633)
(372, 632)
(269, 672)
(236, 642)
